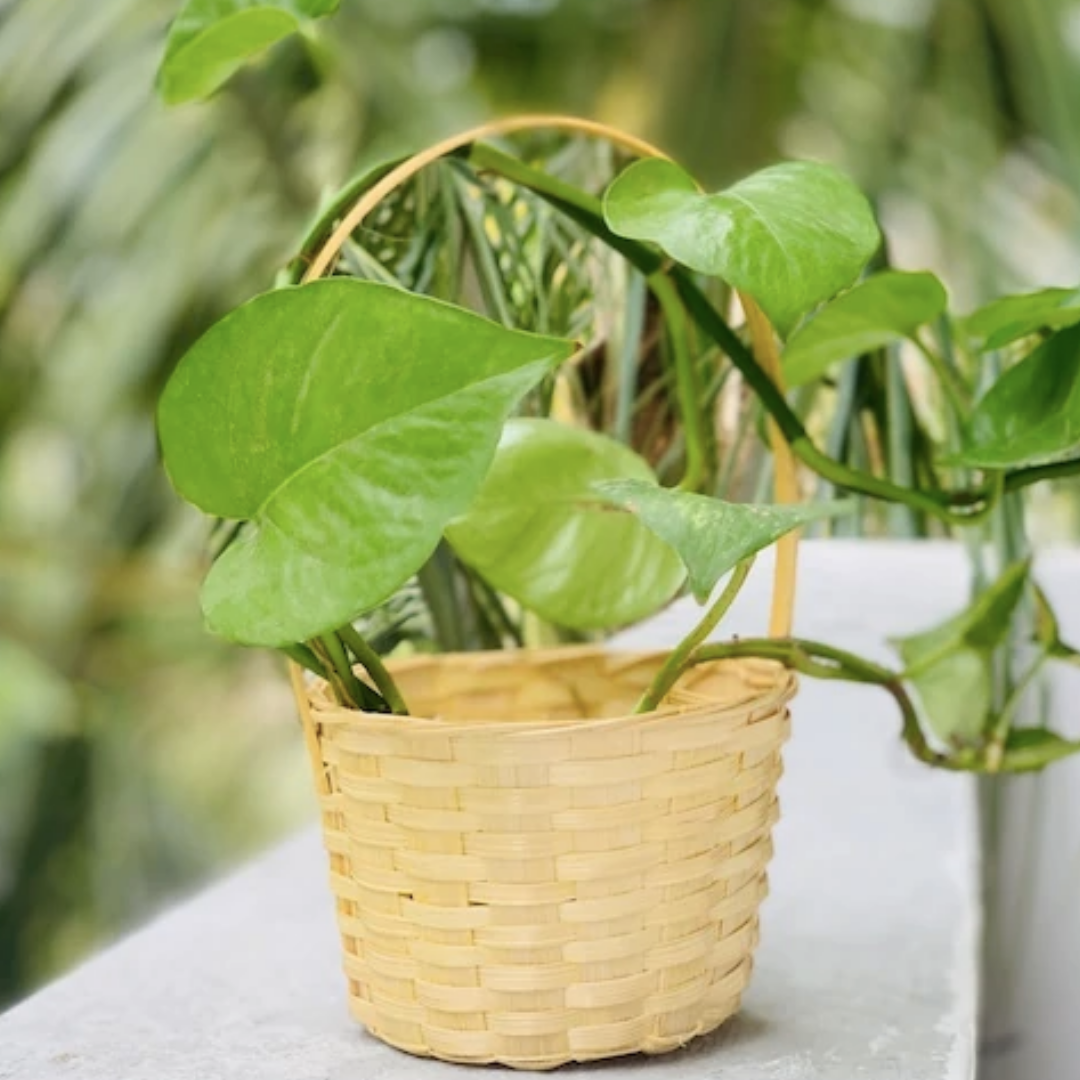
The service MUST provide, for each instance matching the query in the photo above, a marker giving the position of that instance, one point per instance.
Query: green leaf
(883, 309)
(955, 694)
(1032, 749)
(1031, 415)
(791, 235)
(211, 39)
(348, 421)
(710, 536)
(1004, 321)
(1048, 630)
(538, 533)
(949, 664)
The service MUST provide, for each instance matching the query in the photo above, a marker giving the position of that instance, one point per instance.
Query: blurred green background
(137, 755)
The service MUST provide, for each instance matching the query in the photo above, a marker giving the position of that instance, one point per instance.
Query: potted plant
(548, 854)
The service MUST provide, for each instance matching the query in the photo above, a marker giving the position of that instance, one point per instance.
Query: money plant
(389, 468)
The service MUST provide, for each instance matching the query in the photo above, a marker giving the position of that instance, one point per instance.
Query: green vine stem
(954, 508)
(302, 655)
(947, 375)
(347, 688)
(822, 661)
(374, 666)
(677, 659)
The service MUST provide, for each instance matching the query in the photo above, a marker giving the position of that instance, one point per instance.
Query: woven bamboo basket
(526, 872)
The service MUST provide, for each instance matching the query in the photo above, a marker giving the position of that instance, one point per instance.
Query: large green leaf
(883, 309)
(1031, 415)
(1004, 321)
(791, 235)
(710, 536)
(538, 533)
(349, 422)
(211, 39)
(950, 664)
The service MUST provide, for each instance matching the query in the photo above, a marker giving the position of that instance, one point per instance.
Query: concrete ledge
(868, 965)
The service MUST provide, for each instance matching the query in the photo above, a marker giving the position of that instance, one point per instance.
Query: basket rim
(757, 705)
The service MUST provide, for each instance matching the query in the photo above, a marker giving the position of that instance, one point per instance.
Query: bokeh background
(138, 756)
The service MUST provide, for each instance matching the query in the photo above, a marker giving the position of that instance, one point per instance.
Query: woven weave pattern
(535, 877)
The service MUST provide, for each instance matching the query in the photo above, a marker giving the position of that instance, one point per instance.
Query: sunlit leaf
(949, 664)
(538, 533)
(1031, 415)
(209, 40)
(349, 422)
(1004, 321)
(710, 536)
(791, 235)
(885, 308)
(1032, 749)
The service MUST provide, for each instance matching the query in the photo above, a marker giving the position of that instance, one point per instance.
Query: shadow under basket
(528, 874)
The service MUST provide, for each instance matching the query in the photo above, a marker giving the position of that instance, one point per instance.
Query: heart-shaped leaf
(791, 235)
(538, 533)
(710, 536)
(209, 40)
(1032, 749)
(950, 664)
(1004, 321)
(349, 422)
(1031, 415)
(885, 308)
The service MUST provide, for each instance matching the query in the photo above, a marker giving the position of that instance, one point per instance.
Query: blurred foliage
(136, 753)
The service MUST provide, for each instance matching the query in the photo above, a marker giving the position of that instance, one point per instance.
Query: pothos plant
(351, 435)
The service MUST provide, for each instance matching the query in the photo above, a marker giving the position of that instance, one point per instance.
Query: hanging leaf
(885, 308)
(950, 664)
(1048, 631)
(349, 422)
(209, 40)
(955, 693)
(538, 533)
(791, 235)
(1032, 749)
(1031, 415)
(1004, 321)
(710, 536)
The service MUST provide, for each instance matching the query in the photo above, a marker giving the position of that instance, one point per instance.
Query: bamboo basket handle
(764, 340)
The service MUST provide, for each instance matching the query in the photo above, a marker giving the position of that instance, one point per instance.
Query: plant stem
(947, 375)
(348, 689)
(302, 655)
(373, 665)
(1033, 474)
(822, 661)
(686, 379)
(677, 659)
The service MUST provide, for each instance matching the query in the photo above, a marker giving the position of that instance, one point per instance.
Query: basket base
(536, 1053)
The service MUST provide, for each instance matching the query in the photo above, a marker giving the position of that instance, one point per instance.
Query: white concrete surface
(868, 966)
